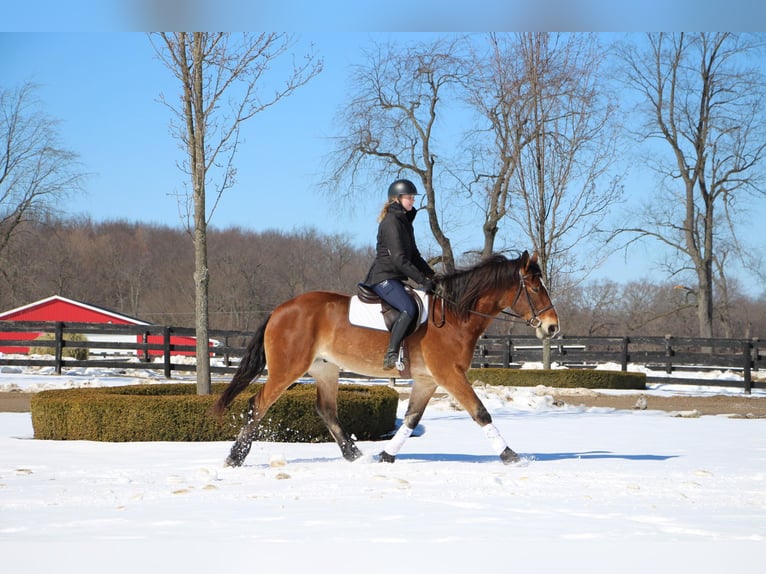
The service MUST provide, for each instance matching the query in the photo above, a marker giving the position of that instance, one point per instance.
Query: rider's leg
(398, 331)
(392, 292)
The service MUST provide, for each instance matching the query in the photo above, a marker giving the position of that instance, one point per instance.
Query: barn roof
(56, 300)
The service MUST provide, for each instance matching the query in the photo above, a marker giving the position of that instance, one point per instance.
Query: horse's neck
(486, 309)
(489, 305)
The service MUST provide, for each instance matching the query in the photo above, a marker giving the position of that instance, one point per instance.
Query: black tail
(252, 365)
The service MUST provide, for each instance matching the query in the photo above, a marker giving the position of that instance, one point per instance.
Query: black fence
(666, 354)
(156, 346)
(114, 346)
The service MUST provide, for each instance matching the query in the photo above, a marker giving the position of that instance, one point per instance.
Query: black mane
(462, 288)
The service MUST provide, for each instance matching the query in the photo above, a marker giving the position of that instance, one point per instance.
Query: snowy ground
(598, 490)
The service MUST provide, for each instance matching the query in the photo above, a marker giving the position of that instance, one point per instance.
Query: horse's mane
(462, 288)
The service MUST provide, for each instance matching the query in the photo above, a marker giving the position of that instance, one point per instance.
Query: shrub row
(559, 378)
(174, 412)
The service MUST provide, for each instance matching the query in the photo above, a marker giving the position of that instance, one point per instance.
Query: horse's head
(531, 301)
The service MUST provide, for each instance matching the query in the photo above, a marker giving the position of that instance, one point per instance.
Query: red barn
(57, 308)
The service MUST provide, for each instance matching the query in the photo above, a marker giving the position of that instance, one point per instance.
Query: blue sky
(104, 89)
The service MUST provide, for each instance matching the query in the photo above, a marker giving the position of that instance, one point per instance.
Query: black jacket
(396, 255)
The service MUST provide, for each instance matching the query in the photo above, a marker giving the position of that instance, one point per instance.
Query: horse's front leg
(422, 391)
(497, 443)
(459, 387)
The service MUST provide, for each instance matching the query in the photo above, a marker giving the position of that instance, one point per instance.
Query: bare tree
(390, 120)
(563, 181)
(496, 90)
(35, 170)
(705, 106)
(219, 78)
(593, 310)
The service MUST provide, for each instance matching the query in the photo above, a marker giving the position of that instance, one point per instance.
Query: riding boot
(398, 331)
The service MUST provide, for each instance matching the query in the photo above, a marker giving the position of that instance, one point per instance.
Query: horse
(311, 333)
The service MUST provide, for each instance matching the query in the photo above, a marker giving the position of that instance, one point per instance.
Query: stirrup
(390, 361)
(401, 364)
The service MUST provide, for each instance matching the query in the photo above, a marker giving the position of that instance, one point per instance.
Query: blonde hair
(383, 211)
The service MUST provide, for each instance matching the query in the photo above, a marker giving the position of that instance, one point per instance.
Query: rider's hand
(427, 285)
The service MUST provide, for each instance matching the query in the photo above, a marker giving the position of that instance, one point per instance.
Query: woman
(397, 259)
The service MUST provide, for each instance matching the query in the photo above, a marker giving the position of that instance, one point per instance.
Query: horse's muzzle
(545, 328)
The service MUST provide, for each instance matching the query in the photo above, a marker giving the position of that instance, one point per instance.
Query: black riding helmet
(401, 187)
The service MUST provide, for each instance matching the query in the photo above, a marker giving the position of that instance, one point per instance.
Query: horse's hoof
(232, 462)
(385, 457)
(509, 457)
(352, 455)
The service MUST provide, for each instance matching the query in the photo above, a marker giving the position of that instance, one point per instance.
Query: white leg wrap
(495, 440)
(397, 441)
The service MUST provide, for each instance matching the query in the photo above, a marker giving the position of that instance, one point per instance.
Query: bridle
(535, 320)
(510, 316)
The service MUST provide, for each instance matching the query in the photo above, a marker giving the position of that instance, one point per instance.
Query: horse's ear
(524, 260)
(533, 259)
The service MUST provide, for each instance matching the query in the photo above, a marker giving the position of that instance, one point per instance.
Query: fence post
(507, 354)
(747, 353)
(166, 350)
(546, 353)
(625, 356)
(226, 357)
(668, 354)
(59, 352)
(144, 350)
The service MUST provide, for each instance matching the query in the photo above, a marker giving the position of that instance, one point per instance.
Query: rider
(396, 259)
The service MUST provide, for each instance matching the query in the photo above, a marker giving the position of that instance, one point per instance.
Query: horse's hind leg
(272, 389)
(241, 447)
(326, 375)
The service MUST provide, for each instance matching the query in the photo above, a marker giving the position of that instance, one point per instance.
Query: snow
(598, 490)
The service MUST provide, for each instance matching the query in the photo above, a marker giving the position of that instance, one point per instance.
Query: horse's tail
(251, 366)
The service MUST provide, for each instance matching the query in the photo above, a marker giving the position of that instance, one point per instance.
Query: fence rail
(666, 353)
(117, 343)
(227, 345)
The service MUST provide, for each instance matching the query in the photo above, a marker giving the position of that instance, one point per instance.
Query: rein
(511, 316)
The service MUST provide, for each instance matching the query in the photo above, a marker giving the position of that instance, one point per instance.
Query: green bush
(559, 378)
(76, 353)
(174, 412)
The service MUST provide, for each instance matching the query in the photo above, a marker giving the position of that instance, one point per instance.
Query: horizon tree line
(141, 270)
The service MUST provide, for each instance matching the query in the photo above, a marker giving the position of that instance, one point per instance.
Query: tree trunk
(705, 300)
(199, 172)
(201, 281)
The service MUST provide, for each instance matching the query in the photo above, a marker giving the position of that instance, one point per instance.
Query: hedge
(174, 412)
(559, 378)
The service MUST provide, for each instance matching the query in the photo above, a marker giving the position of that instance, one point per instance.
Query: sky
(598, 490)
(104, 89)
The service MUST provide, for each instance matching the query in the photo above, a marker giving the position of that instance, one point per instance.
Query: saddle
(367, 309)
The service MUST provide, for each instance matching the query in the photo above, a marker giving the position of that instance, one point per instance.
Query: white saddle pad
(369, 315)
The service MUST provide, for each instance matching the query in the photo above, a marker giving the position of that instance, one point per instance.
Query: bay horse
(311, 333)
